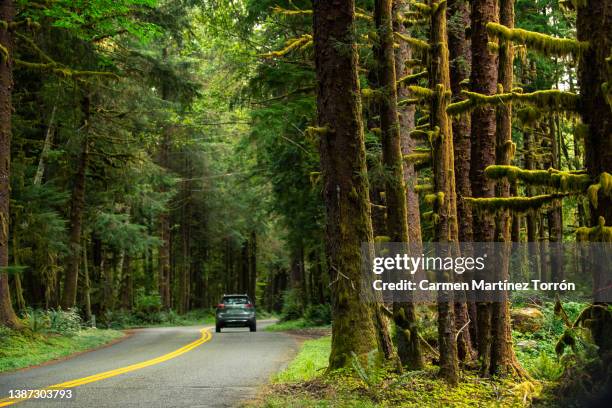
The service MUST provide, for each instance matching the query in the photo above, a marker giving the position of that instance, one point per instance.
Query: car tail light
(249, 305)
(220, 306)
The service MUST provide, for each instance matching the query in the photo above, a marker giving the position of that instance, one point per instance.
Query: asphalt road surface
(195, 370)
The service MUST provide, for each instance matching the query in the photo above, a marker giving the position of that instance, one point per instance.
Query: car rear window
(235, 300)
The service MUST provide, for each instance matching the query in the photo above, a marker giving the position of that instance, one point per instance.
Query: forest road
(162, 367)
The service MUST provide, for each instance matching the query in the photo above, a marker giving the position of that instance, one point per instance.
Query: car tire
(217, 329)
(253, 327)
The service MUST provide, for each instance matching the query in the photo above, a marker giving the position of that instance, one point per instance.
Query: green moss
(415, 42)
(291, 45)
(381, 239)
(551, 99)
(419, 134)
(604, 187)
(561, 180)
(599, 233)
(412, 78)
(529, 116)
(423, 188)
(545, 44)
(435, 199)
(371, 94)
(515, 204)
(418, 158)
(421, 92)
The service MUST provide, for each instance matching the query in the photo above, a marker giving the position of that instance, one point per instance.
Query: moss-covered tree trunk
(77, 207)
(164, 230)
(407, 340)
(7, 12)
(503, 360)
(483, 80)
(595, 80)
(342, 157)
(445, 204)
(458, 18)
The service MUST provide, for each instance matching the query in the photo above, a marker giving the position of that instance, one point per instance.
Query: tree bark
(593, 25)
(77, 207)
(404, 314)
(445, 205)
(483, 80)
(7, 11)
(343, 166)
(458, 18)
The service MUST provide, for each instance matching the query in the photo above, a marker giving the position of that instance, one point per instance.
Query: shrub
(66, 322)
(292, 305)
(318, 315)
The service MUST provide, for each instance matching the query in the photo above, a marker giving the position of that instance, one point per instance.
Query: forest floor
(305, 383)
(21, 349)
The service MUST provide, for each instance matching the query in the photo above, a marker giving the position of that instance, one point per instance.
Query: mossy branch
(292, 44)
(560, 180)
(61, 70)
(414, 42)
(299, 12)
(408, 101)
(418, 158)
(515, 204)
(551, 99)
(421, 92)
(412, 78)
(545, 44)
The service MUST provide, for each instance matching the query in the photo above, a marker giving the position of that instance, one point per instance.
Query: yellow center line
(206, 336)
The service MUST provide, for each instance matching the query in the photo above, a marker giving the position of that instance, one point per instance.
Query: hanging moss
(421, 92)
(376, 131)
(381, 239)
(604, 187)
(435, 199)
(599, 233)
(371, 94)
(418, 158)
(408, 102)
(545, 44)
(423, 188)
(422, 8)
(412, 78)
(560, 180)
(528, 116)
(515, 204)
(551, 99)
(415, 42)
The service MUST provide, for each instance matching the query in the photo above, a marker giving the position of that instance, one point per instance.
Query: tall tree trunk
(593, 25)
(555, 214)
(77, 207)
(251, 290)
(164, 230)
(458, 16)
(503, 360)
(7, 11)
(86, 285)
(395, 191)
(445, 205)
(343, 165)
(483, 80)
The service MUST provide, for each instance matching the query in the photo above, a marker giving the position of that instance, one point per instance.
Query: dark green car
(235, 311)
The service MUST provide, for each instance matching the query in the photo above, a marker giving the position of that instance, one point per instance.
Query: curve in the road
(205, 336)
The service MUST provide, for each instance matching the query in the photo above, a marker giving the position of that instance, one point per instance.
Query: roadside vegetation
(48, 336)
(538, 337)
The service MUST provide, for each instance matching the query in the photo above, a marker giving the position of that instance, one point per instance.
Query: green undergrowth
(26, 348)
(304, 382)
(297, 324)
